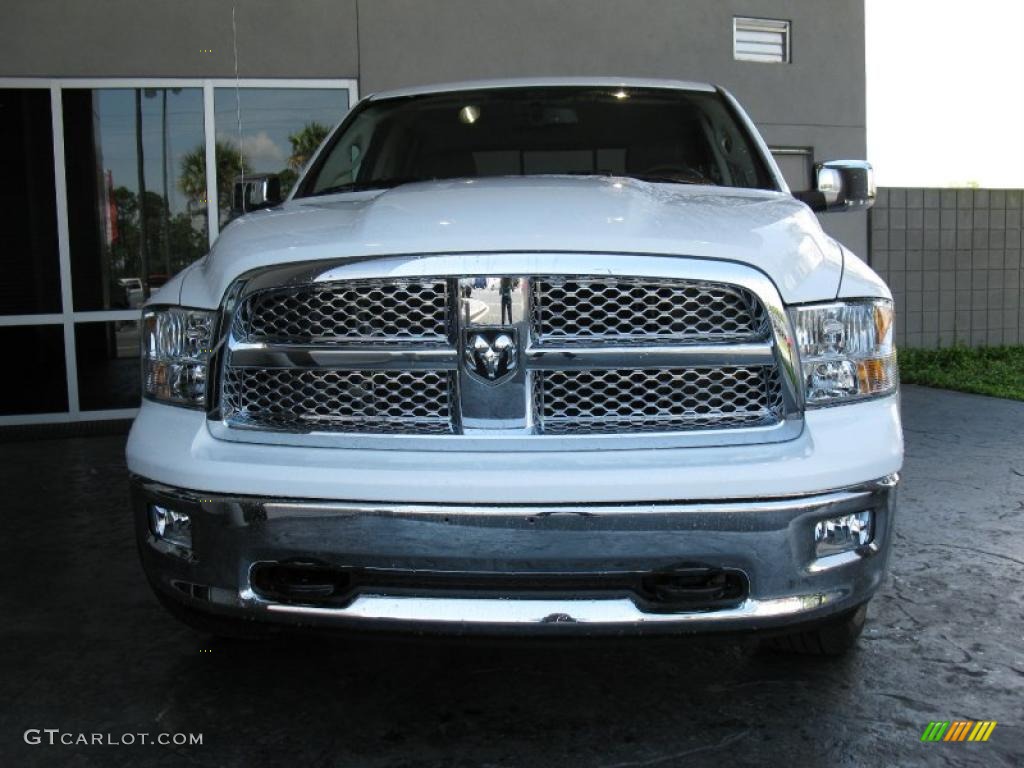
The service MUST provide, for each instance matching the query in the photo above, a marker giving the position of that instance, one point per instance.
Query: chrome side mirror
(841, 185)
(254, 192)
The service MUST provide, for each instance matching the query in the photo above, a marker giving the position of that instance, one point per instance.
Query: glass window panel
(28, 208)
(281, 127)
(108, 364)
(123, 145)
(39, 352)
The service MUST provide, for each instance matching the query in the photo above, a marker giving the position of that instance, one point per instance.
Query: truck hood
(770, 231)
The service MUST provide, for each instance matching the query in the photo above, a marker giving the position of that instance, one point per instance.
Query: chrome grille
(381, 311)
(638, 310)
(659, 399)
(330, 400)
(593, 354)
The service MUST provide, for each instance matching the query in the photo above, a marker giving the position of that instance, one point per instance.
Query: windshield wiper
(651, 177)
(363, 186)
(654, 179)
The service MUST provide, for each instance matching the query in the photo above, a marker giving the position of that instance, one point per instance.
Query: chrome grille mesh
(350, 401)
(631, 310)
(359, 311)
(656, 400)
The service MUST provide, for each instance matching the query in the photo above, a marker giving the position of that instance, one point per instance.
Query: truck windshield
(654, 134)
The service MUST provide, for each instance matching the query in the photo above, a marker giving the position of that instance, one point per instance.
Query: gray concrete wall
(816, 100)
(169, 38)
(953, 260)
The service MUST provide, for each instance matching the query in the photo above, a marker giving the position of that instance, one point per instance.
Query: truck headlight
(846, 350)
(175, 354)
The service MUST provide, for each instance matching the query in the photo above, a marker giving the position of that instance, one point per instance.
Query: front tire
(834, 638)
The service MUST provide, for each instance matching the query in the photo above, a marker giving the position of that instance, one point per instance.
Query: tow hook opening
(694, 587)
(301, 581)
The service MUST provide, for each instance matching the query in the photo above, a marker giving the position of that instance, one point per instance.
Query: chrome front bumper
(497, 612)
(769, 542)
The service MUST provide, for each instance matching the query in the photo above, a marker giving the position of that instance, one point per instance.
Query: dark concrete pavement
(85, 648)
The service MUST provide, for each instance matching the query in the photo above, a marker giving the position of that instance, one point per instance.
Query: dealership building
(124, 125)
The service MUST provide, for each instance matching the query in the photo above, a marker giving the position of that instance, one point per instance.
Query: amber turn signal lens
(876, 375)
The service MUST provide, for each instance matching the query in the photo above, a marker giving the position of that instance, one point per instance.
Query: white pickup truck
(542, 356)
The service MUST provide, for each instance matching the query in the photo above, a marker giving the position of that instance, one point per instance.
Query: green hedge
(996, 371)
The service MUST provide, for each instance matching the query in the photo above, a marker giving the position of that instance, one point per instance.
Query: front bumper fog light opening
(843, 534)
(171, 526)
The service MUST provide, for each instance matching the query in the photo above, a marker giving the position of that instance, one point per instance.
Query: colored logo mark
(958, 730)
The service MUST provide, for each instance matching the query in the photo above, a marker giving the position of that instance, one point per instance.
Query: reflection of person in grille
(506, 300)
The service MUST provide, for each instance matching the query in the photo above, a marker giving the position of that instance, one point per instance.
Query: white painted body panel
(769, 231)
(859, 280)
(839, 447)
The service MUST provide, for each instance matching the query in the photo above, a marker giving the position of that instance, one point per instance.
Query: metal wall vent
(764, 40)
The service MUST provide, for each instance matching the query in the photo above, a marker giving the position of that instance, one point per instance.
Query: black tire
(834, 638)
(210, 624)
